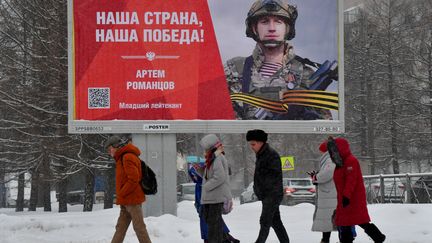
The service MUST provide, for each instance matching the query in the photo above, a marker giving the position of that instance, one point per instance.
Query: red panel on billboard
(147, 60)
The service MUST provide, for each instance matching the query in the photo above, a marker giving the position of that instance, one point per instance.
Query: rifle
(324, 75)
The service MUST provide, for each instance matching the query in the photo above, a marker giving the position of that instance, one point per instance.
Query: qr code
(98, 98)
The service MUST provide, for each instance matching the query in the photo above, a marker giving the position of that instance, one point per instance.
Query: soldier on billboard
(271, 83)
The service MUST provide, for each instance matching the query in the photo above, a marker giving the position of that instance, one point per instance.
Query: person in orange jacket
(130, 196)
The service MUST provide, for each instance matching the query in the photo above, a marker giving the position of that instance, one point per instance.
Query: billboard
(167, 66)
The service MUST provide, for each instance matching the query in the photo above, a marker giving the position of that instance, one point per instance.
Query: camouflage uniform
(293, 75)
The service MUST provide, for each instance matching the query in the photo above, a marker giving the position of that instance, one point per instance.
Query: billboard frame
(206, 126)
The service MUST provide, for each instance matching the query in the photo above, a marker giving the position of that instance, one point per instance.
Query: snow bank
(402, 223)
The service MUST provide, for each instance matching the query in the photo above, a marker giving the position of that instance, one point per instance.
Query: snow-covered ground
(402, 223)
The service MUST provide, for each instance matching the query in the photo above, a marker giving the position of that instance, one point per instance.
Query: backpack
(148, 180)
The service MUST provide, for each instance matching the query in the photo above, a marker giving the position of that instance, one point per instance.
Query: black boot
(325, 237)
(230, 239)
(346, 235)
(374, 233)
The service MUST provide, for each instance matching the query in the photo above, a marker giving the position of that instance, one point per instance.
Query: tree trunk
(2, 189)
(393, 125)
(46, 185)
(430, 99)
(20, 196)
(371, 125)
(62, 195)
(365, 119)
(40, 198)
(46, 190)
(89, 191)
(34, 191)
(109, 188)
(371, 149)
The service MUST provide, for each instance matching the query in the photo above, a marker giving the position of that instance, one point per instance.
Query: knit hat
(114, 141)
(210, 141)
(257, 135)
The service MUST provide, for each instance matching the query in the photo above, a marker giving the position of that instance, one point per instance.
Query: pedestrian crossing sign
(287, 162)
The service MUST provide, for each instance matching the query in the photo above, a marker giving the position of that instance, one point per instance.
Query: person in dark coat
(267, 185)
(351, 194)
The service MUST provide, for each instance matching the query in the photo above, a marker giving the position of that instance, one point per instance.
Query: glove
(311, 173)
(345, 202)
(314, 180)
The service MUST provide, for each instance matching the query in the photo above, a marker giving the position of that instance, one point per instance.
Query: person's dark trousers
(370, 229)
(213, 217)
(373, 232)
(346, 235)
(270, 217)
(325, 237)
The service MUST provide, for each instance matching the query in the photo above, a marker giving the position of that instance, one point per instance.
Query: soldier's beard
(271, 43)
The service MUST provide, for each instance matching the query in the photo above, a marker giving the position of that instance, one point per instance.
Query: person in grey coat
(326, 197)
(215, 188)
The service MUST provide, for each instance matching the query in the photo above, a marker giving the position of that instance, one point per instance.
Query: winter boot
(345, 234)
(324, 241)
(230, 239)
(374, 233)
(325, 237)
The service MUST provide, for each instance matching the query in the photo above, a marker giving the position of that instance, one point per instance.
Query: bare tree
(419, 16)
(33, 94)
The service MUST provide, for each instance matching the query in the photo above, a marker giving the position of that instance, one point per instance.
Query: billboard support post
(159, 152)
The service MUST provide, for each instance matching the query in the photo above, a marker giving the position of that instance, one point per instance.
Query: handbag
(228, 206)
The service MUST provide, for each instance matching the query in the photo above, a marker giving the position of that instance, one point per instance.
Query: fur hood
(342, 145)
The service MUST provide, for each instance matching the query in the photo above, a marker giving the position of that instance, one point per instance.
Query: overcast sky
(316, 32)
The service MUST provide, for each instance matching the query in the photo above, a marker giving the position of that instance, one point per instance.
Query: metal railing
(399, 188)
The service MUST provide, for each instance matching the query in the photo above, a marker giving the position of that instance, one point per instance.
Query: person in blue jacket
(195, 173)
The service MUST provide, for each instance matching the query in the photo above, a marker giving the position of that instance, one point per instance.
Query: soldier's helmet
(271, 7)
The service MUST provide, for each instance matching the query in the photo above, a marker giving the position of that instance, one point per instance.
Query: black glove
(345, 202)
(311, 173)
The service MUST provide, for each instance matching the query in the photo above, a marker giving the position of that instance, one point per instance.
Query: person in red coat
(351, 194)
